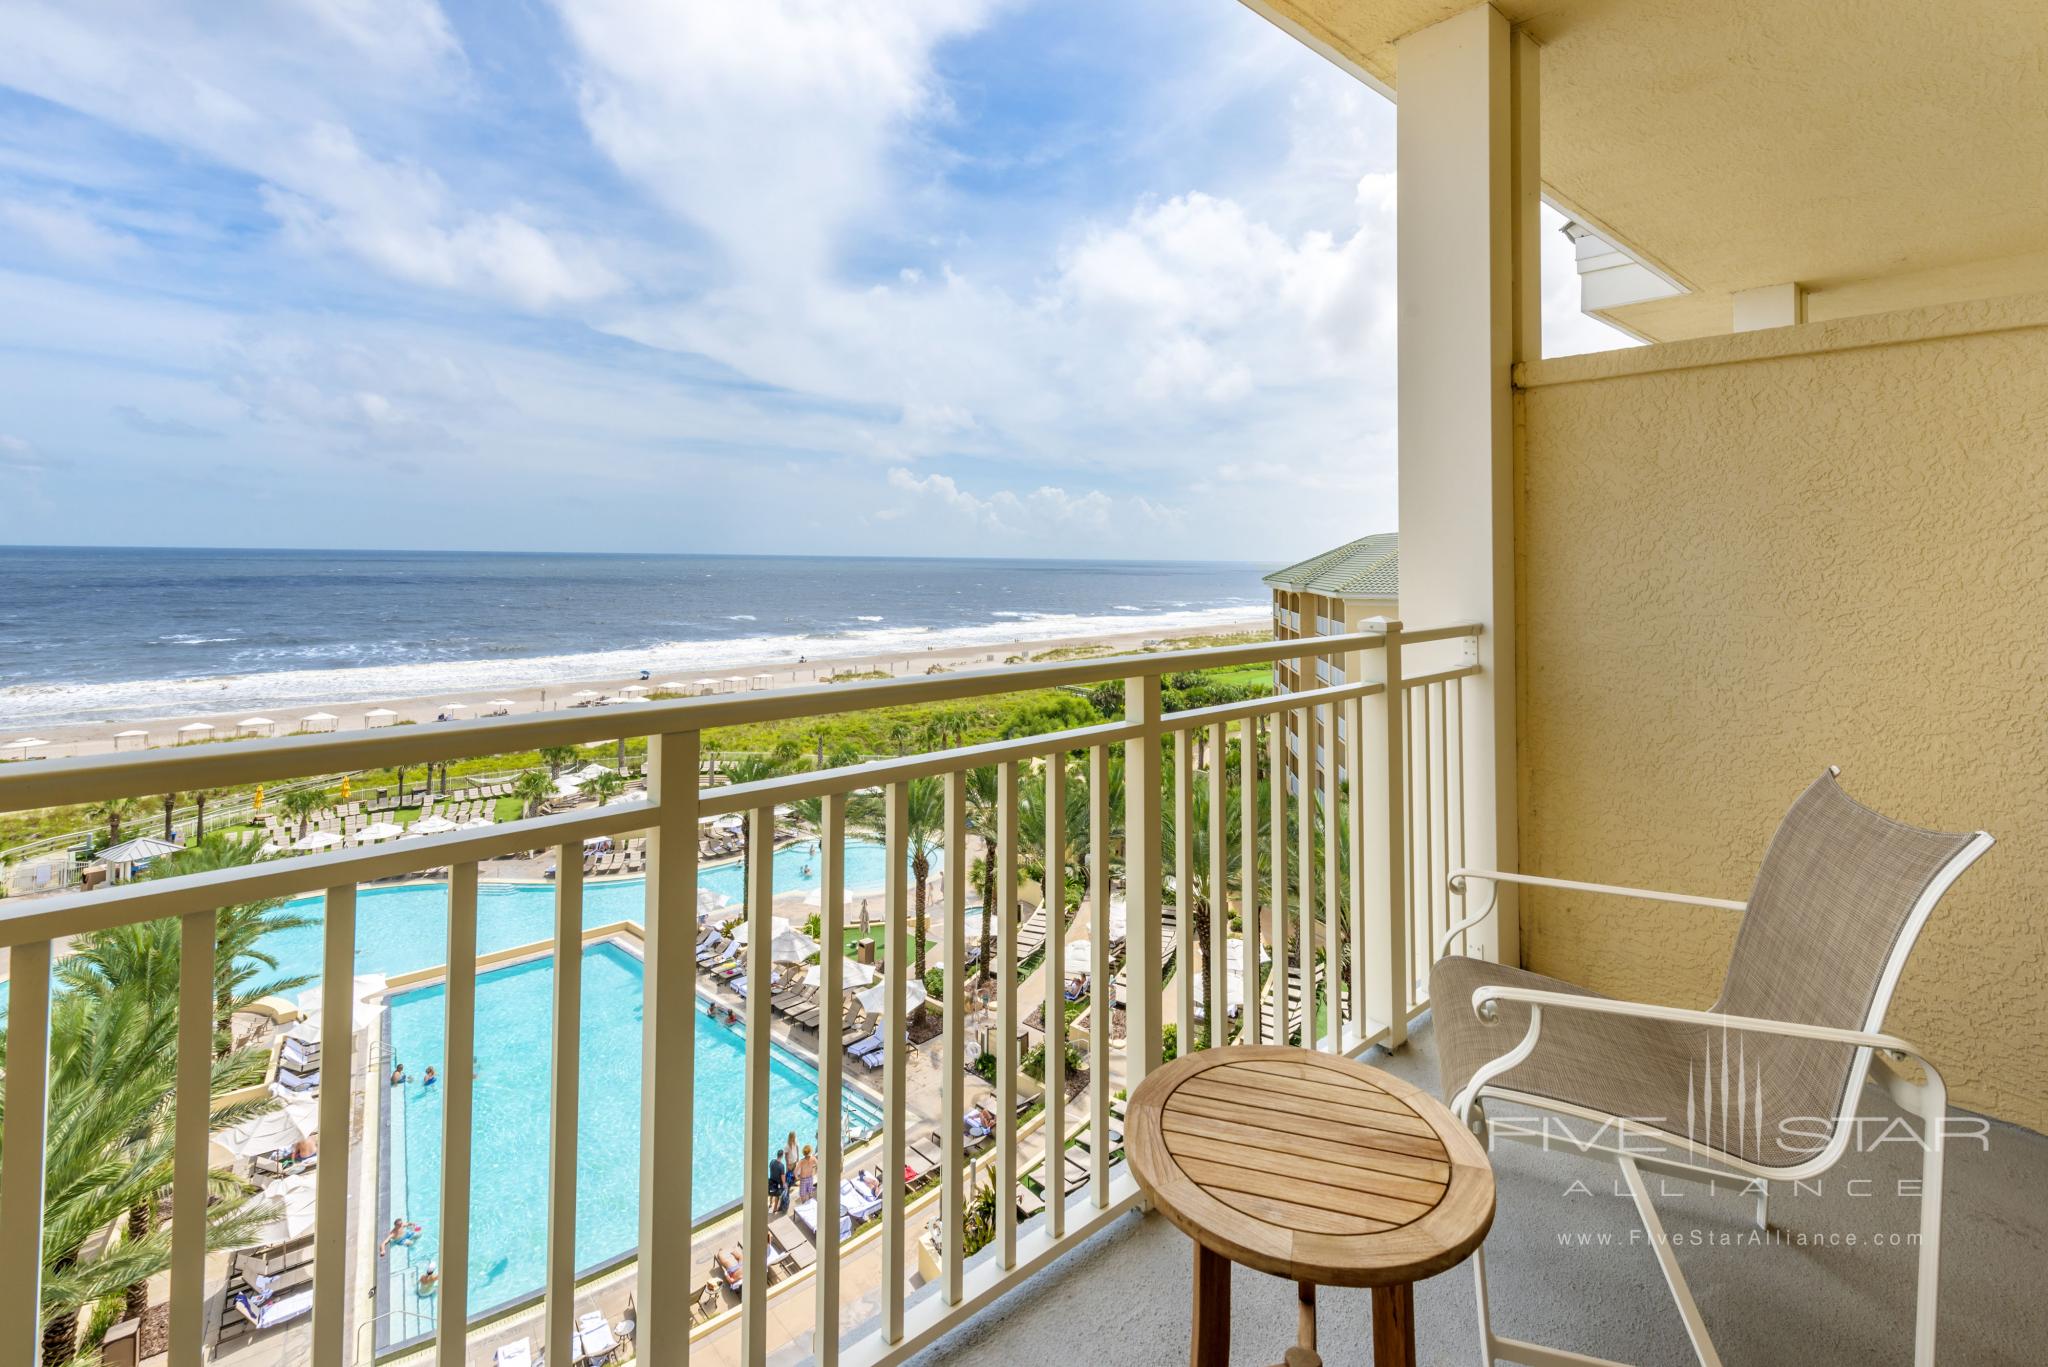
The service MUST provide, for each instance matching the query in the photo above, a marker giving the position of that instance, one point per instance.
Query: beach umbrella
(1080, 956)
(876, 998)
(193, 728)
(294, 1198)
(379, 830)
(791, 947)
(503, 702)
(433, 825)
(853, 975)
(280, 1129)
(317, 840)
(455, 707)
(251, 723)
(363, 1014)
(777, 925)
(28, 743)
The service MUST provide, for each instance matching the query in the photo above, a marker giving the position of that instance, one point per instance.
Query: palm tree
(300, 804)
(200, 797)
(113, 811)
(239, 956)
(113, 1067)
(604, 786)
(557, 758)
(1198, 902)
(532, 788)
(981, 820)
(755, 769)
(924, 826)
(170, 802)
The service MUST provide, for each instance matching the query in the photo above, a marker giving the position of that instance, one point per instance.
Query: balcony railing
(1342, 884)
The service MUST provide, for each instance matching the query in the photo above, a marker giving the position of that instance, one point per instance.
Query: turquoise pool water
(405, 928)
(509, 1154)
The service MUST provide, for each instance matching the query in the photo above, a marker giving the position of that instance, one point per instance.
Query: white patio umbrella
(777, 926)
(377, 714)
(791, 947)
(251, 723)
(378, 830)
(455, 707)
(137, 736)
(711, 899)
(877, 997)
(476, 823)
(634, 688)
(1080, 956)
(279, 1129)
(317, 840)
(363, 1013)
(433, 825)
(294, 1197)
(194, 728)
(503, 702)
(853, 975)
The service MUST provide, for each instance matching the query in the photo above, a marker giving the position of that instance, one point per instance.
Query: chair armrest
(1494, 877)
(1927, 1099)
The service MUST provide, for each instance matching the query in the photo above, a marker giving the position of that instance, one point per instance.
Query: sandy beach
(352, 712)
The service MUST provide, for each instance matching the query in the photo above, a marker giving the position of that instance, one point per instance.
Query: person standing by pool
(790, 1157)
(806, 1175)
(778, 1176)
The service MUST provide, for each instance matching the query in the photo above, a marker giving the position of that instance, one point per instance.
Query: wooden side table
(1313, 1168)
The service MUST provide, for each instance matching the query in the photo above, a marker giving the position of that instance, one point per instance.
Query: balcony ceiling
(1884, 156)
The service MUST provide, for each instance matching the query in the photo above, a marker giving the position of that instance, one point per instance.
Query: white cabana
(278, 1129)
(735, 682)
(674, 685)
(28, 743)
(363, 989)
(378, 716)
(777, 925)
(853, 975)
(763, 680)
(295, 1199)
(378, 830)
(634, 688)
(123, 858)
(137, 738)
(317, 840)
(195, 728)
(318, 721)
(876, 997)
(263, 724)
(707, 685)
(588, 693)
(433, 825)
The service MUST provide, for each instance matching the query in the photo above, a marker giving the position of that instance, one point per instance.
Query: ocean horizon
(95, 634)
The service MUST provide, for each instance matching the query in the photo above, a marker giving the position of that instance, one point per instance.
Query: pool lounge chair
(518, 1353)
(799, 1251)
(872, 1044)
(268, 1314)
(858, 1202)
(1841, 896)
(806, 1215)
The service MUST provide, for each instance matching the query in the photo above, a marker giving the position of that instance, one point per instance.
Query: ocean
(90, 635)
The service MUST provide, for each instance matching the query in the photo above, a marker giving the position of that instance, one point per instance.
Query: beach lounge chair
(806, 1215)
(518, 1353)
(259, 1314)
(857, 1201)
(1840, 898)
(797, 1248)
(854, 1029)
(917, 1168)
(872, 1044)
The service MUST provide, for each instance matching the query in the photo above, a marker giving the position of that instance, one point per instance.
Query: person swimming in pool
(429, 1080)
(400, 1233)
(397, 1073)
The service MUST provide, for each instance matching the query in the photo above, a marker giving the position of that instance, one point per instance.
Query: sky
(1095, 278)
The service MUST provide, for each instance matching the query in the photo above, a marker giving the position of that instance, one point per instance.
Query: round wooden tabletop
(1310, 1167)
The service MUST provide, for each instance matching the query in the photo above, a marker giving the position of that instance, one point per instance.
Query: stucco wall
(1743, 558)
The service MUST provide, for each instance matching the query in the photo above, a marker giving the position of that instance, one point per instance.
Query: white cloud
(1047, 510)
(67, 231)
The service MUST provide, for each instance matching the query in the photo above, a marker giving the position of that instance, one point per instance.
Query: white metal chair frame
(1927, 1099)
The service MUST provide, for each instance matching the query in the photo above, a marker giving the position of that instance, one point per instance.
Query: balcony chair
(1841, 897)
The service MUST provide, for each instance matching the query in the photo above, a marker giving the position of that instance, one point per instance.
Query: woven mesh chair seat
(1832, 902)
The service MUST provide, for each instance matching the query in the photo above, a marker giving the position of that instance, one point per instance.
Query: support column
(1470, 307)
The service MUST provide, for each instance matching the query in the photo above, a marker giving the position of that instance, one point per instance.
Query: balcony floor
(1123, 1298)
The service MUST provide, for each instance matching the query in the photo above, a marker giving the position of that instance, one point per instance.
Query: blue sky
(932, 276)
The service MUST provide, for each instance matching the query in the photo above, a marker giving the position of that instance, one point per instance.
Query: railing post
(337, 1069)
(22, 1162)
(558, 1320)
(196, 936)
(668, 1051)
(1383, 772)
(458, 1091)
(1143, 774)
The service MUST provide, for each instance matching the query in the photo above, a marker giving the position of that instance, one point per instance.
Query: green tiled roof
(1369, 567)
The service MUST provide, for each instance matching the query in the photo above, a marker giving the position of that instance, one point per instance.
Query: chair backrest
(1841, 897)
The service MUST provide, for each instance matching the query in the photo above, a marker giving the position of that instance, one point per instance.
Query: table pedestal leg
(1210, 1346)
(1393, 1325)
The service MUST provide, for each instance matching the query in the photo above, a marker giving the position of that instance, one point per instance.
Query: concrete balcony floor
(1122, 1300)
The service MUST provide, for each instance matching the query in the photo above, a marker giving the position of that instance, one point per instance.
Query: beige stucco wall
(1743, 558)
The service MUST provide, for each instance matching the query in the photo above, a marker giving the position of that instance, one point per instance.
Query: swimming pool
(508, 1212)
(404, 928)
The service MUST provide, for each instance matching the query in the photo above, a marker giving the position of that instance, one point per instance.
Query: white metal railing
(1329, 897)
